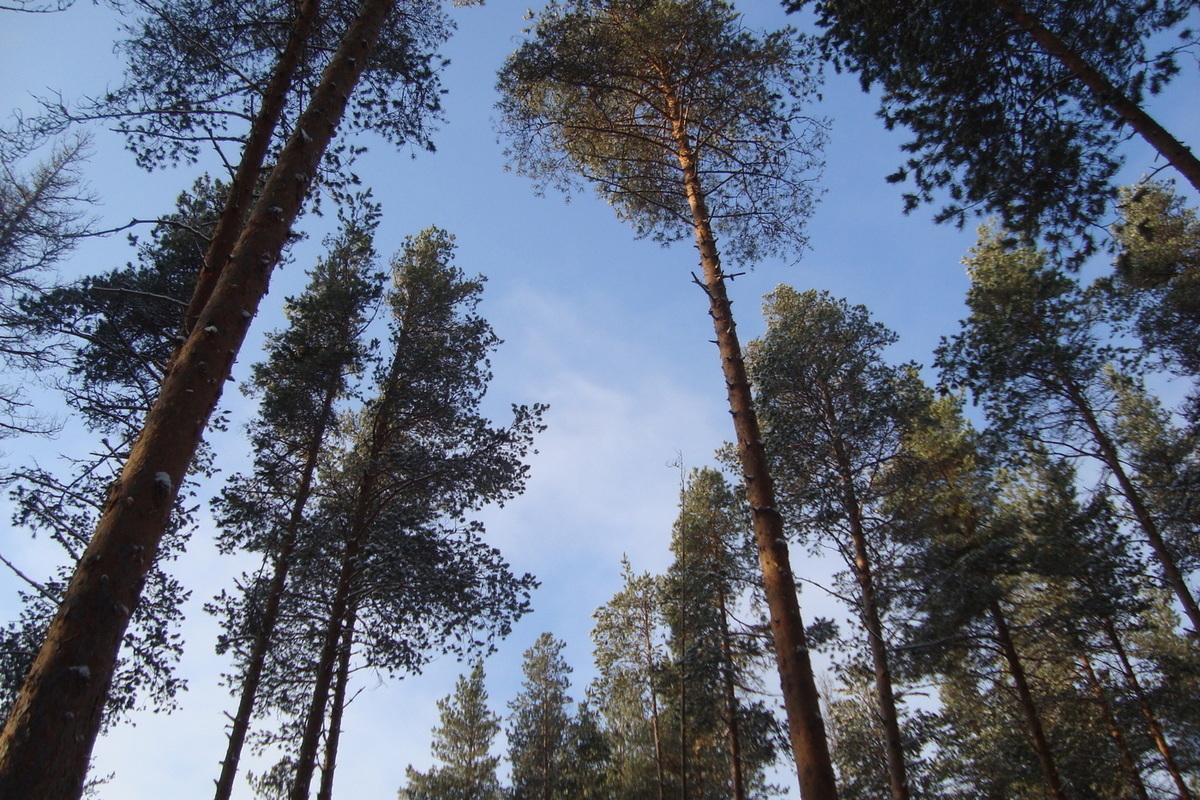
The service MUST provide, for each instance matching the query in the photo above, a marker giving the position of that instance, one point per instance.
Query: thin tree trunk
(1112, 459)
(814, 767)
(1033, 720)
(48, 737)
(1114, 730)
(270, 615)
(736, 779)
(654, 722)
(863, 574)
(245, 178)
(340, 606)
(1152, 723)
(334, 734)
(1175, 152)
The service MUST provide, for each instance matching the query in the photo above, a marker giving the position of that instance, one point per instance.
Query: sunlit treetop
(622, 94)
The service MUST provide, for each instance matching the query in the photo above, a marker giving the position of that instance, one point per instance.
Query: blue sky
(608, 330)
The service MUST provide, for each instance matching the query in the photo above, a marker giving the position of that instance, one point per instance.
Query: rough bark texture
(1170, 148)
(245, 178)
(48, 737)
(1033, 720)
(814, 767)
(270, 614)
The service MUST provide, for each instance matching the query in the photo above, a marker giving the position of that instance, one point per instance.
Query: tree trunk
(245, 178)
(270, 615)
(814, 767)
(869, 606)
(334, 734)
(1152, 723)
(737, 781)
(340, 604)
(1033, 720)
(48, 737)
(1175, 152)
(1128, 763)
(1112, 459)
(654, 721)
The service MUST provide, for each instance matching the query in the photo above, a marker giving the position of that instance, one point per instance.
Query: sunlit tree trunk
(814, 766)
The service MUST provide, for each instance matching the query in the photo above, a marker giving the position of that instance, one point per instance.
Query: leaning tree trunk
(1033, 720)
(864, 575)
(1128, 762)
(48, 737)
(1133, 496)
(1175, 152)
(270, 614)
(245, 178)
(814, 767)
(334, 734)
(1152, 723)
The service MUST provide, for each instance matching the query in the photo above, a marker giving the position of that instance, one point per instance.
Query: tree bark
(270, 615)
(334, 734)
(48, 737)
(814, 767)
(1175, 152)
(245, 178)
(1152, 723)
(1033, 720)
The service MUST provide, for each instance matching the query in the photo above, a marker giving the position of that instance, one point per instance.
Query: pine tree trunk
(245, 178)
(1175, 152)
(1152, 723)
(48, 737)
(334, 734)
(1033, 720)
(270, 615)
(1112, 459)
(737, 780)
(654, 716)
(340, 604)
(1114, 730)
(869, 607)
(814, 767)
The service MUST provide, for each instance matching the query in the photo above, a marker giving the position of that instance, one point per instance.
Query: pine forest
(361, 430)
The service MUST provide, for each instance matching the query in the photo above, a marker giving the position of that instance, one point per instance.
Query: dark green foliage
(112, 335)
(1157, 275)
(195, 71)
(462, 743)
(539, 725)
(999, 125)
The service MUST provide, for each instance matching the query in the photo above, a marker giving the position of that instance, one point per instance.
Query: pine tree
(462, 742)
(1017, 108)
(307, 371)
(720, 743)
(1031, 351)
(539, 724)
(398, 556)
(50, 730)
(834, 413)
(688, 125)
(629, 651)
